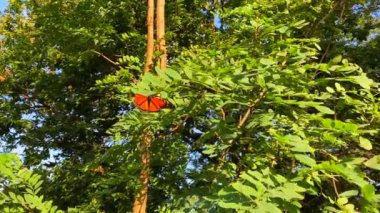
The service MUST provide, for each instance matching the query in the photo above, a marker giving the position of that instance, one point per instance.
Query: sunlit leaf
(373, 163)
(324, 109)
(365, 143)
(304, 159)
(267, 61)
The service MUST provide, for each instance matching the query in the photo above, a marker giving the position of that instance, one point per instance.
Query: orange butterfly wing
(142, 102)
(150, 104)
(155, 104)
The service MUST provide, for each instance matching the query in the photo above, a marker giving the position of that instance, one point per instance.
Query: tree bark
(150, 37)
(161, 32)
(141, 197)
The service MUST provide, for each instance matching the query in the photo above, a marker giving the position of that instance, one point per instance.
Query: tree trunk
(161, 32)
(150, 37)
(141, 198)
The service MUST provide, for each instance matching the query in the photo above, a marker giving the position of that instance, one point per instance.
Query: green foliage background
(270, 111)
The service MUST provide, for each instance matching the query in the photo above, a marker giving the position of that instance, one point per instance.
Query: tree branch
(244, 119)
(106, 58)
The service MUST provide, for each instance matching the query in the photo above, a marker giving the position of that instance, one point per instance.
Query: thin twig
(245, 117)
(26, 207)
(343, 9)
(250, 109)
(335, 188)
(176, 128)
(325, 53)
(322, 19)
(223, 114)
(106, 58)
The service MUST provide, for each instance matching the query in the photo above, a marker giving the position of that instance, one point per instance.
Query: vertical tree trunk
(141, 198)
(150, 37)
(161, 32)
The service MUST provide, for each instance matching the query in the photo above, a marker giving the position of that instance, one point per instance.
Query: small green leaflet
(324, 110)
(246, 190)
(233, 205)
(373, 163)
(163, 76)
(264, 207)
(173, 74)
(304, 159)
(341, 201)
(337, 59)
(365, 143)
(362, 80)
(267, 61)
(339, 87)
(188, 72)
(283, 29)
(349, 193)
(330, 90)
(261, 80)
(368, 192)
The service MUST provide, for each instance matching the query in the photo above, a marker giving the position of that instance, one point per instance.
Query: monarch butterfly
(150, 104)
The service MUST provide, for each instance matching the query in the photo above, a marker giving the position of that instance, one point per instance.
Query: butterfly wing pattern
(142, 102)
(149, 104)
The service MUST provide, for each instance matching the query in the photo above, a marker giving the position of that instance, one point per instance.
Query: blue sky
(3, 4)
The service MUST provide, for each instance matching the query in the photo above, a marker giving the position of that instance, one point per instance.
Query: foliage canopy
(270, 110)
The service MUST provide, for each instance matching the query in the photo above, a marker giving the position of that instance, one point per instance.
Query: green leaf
(363, 81)
(261, 80)
(267, 61)
(365, 143)
(283, 29)
(300, 24)
(373, 163)
(339, 87)
(368, 192)
(38, 184)
(290, 188)
(53, 209)
(246, 190)
(301, 147)
(162, 74)
(347, 172)
(337, 59)
(34, 179)
(247, 177)
(304, 159)
(350, 193)
(173, 74)
(233, 205)
(330, 90)
(29, 198)
(153, 80)
(210, 149)
(265, 207)
(341, 201)
(324, 110)
(280, 178)
(20, 199)
(188, 72)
